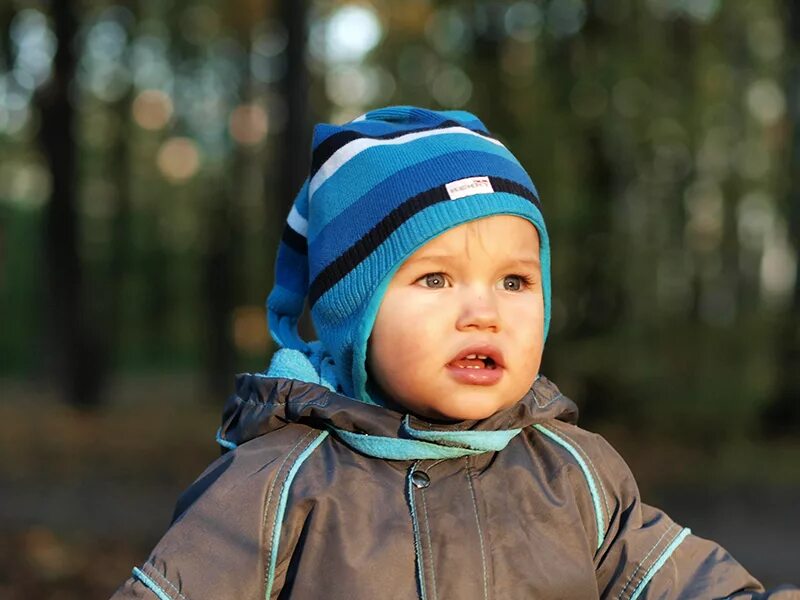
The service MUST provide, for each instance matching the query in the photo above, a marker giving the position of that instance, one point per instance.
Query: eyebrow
(528, 263)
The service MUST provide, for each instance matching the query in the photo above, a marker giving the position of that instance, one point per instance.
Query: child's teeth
(471, 356)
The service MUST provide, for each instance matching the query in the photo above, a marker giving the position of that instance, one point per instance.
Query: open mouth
(474, 361)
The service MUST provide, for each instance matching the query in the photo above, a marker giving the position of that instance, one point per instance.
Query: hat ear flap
(288, 296)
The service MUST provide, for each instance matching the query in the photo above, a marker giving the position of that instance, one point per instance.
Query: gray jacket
(293, 511)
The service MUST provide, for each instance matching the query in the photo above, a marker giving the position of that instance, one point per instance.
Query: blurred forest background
(149, 152)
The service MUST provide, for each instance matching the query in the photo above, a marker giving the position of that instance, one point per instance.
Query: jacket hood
(262, 404)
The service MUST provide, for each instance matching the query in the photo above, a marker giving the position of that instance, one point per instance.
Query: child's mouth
(475, 369)
(475, 361)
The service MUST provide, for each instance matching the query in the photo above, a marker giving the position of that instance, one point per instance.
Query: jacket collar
(262, 404)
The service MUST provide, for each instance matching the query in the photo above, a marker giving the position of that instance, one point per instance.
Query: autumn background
(149, 152)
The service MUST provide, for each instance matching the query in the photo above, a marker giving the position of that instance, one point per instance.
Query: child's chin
(472, 407)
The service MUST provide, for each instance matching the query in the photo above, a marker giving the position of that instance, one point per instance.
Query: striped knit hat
(380, 187)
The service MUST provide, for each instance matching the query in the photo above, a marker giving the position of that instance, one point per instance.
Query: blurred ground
(83, 497)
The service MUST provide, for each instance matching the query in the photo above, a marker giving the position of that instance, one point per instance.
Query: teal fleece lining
(312, 366)
(668, 551)
(379, 446)
(152, 585)
(598, 511)
(424, 445)
(276, 533)
(474, 440)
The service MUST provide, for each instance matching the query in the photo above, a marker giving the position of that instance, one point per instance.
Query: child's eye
(515, 283)
(433, 280)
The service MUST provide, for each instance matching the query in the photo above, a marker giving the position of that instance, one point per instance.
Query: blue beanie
(380, 187)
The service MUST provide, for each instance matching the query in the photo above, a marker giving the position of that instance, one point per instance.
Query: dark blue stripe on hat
(356, 253)
(329, 146)
(294, 240)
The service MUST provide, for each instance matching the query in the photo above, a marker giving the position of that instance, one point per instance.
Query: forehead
(497, 235)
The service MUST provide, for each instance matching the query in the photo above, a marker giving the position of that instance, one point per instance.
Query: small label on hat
(469, 187)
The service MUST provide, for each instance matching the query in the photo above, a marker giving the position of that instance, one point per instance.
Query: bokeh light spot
(26, 185)
(152, 109)
(766, 101)
(523, 21)
(248, 124)
(357, 86)
(565, 17)
(451, 87)
(178, 158)
(448, 32)
(351, 32)
(701, 10)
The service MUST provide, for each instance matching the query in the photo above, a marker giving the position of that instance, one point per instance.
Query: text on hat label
(469, 187)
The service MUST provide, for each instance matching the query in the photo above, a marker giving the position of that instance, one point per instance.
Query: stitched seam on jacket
(151, 571)
(318, 403)
(415, 528)
(643, 561)
(600, 524)
(269, 500)
(659, 562)
(430, 545)
(591, 465)
(548, 402)
(480, 532)
(142, 577)
(281, 507)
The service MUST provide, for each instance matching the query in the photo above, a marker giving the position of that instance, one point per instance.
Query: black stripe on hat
(295, 241)
(355, 254)
(327, 148)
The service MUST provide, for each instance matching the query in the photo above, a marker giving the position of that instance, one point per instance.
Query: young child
(414, 451)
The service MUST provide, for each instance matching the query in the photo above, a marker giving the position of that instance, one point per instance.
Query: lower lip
(476, 376)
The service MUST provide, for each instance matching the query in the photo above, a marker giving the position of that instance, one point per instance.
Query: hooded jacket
(322, 496)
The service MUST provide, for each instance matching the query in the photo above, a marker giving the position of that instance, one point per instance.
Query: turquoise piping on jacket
(668, 551)
(223, 442)
(276, 530)
(598, 510)
(415, 527)
(152, 585)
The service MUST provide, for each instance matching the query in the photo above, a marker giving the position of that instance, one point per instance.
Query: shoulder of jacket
(252, 468)
(605, 472)
(229, 520)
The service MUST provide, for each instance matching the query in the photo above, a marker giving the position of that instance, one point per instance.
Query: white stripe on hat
(351, 149)
(296, 221)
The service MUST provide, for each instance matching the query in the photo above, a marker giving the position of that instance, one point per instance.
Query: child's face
(474, 290)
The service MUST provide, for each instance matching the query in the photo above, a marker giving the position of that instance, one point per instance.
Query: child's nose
(478, 311)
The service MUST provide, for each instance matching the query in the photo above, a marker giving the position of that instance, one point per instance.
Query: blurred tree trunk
(294, 160)
(219, 267)
(76, 355)
(295, 155)
(6, 54)
(490, 97)
(782, 415)
(121, 244)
